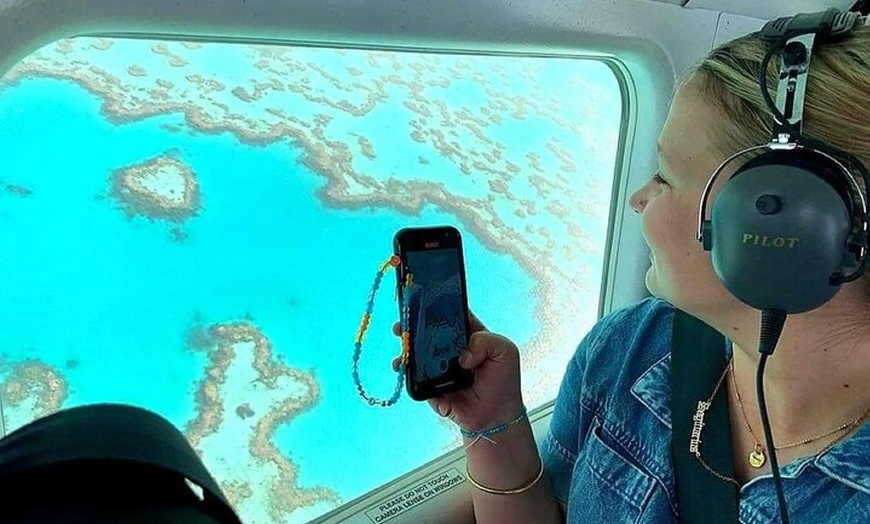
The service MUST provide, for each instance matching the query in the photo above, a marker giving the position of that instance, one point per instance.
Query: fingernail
(464, 358)
(442, 409)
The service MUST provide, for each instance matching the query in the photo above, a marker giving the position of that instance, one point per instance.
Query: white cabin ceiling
(763, 9)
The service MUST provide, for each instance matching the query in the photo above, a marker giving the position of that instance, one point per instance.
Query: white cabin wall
(25, 25)
(733, 26)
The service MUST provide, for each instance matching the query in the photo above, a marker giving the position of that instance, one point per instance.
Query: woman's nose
(638, 200)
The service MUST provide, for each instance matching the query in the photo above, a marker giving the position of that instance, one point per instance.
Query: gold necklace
(757, 457)
(698, 427)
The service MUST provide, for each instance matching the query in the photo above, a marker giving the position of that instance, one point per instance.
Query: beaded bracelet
(486, 433)
(391, 263)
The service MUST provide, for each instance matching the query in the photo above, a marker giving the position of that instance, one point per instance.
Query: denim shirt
(608, 450)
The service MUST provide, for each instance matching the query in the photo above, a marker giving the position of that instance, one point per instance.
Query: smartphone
(438, 325)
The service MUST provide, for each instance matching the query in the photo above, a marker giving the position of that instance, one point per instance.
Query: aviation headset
(790, 222)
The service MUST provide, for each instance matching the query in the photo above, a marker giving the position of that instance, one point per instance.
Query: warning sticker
(416, 495)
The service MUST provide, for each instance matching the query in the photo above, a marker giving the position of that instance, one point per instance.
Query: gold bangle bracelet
(494, 491)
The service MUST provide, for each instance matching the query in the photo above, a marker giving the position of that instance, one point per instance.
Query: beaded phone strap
(393, 262)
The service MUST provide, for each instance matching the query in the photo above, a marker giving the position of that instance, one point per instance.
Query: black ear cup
(779, 231)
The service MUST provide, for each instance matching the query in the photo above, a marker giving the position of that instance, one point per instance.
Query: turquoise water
(82, 282)
(108, 301)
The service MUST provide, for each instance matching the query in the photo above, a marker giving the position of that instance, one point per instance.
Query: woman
(607, 455)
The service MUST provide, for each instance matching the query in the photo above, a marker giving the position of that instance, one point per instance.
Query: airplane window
(195, 228)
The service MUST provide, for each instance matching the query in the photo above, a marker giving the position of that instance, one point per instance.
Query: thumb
(482, 345)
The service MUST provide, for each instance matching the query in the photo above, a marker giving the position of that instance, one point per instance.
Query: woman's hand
(496, 396)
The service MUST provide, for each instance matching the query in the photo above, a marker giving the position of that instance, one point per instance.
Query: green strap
(698, 360)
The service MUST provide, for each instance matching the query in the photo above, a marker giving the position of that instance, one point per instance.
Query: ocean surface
(99, 304)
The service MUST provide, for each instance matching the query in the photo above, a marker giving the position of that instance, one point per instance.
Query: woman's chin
(650, 280)
(653, 283)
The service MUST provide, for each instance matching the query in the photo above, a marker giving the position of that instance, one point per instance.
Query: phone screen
(438, 317)
(437, 312)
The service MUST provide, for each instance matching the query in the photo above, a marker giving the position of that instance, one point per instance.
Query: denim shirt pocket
(609, 487)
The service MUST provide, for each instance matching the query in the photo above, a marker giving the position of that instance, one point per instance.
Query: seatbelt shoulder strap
(698, 360)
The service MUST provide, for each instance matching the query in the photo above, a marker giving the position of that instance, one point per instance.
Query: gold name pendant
(698, 426)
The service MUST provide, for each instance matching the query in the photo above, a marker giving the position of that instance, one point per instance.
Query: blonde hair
(836, 107)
